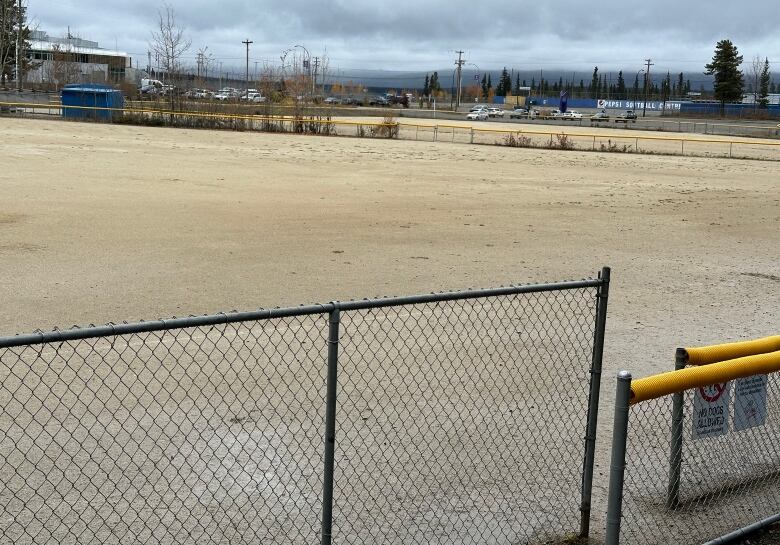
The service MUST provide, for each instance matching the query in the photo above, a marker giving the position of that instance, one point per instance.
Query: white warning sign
(711, 411)
(750, 402)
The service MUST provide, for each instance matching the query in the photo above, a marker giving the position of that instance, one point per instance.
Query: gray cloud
(422, 34)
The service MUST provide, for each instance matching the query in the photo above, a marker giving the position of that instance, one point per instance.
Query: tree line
(728, 83)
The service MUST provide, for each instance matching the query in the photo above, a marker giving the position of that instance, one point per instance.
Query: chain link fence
(701, 467)
(448, 418)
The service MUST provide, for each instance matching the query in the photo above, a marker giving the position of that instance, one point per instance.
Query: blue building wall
(90, 96)
(736, 110)
(555, 102)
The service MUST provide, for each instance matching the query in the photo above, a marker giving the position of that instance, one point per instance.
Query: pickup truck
(626, 117)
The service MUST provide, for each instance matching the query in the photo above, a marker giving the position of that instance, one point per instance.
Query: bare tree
(14, 35)
(62, 68)
(204, 60)
(324, 69)
(169, 44)
(754, 77)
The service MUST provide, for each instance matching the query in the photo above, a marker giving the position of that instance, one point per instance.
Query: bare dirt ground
(105, 223)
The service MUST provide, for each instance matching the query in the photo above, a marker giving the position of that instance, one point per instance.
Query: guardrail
(606, 140)
(695, 451)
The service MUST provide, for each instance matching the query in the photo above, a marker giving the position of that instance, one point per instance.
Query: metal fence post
(330, 425)
(675, 455)
(617, 466)
(602, 297)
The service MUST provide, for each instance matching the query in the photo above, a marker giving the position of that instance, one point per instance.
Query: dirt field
(104, 223)
(107, 223)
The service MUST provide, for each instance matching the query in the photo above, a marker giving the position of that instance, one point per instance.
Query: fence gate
(461, 417)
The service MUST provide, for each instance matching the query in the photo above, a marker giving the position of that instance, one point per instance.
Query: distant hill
(414, 80)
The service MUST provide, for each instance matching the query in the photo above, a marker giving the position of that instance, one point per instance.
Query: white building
(774, 98)
(72, 60)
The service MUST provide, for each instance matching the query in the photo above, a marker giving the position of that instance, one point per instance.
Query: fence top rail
(672, 382)
(109, 330)
(705, 355)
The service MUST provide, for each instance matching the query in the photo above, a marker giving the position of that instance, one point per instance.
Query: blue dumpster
(90, 95)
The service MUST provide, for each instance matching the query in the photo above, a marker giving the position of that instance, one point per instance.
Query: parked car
(477, 107)
(626, 117)
(599, 116)
(352, 101)
(378, 101)
(523, 113)
(255, 97)
(150, 90)
(478, 115)
(249, 94)
(495, 112)
(518, 113)
(574, 114)
(332, 100)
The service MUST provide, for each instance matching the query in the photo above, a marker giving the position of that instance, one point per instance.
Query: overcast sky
(424, 34)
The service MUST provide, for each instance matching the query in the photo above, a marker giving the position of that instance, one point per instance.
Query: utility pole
(256, 74)
(20, 19)
(648, 64)
(247, 42)
(149, 64)
(459, 63)
(316, 69)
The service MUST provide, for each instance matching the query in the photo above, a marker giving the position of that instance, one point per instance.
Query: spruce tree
(680, 84)
(763, 85)
(635, 89)
(595, 84)
(621, 86)
(427, 86)
(666, 88)
(434, 86)
(729, 81)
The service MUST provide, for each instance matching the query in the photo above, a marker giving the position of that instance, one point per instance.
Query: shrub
(562, 141)
(517, 141)
(612, 147)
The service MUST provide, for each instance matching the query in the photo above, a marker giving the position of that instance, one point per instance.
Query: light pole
(306, 63)
(636, 86)
(307, 66)
(477, 67)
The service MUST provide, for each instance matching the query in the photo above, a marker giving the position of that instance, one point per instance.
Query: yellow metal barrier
(704, 355)
(698, 377)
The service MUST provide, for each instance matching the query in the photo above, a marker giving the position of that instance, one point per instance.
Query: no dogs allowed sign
(711, 407)
(711, 410)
